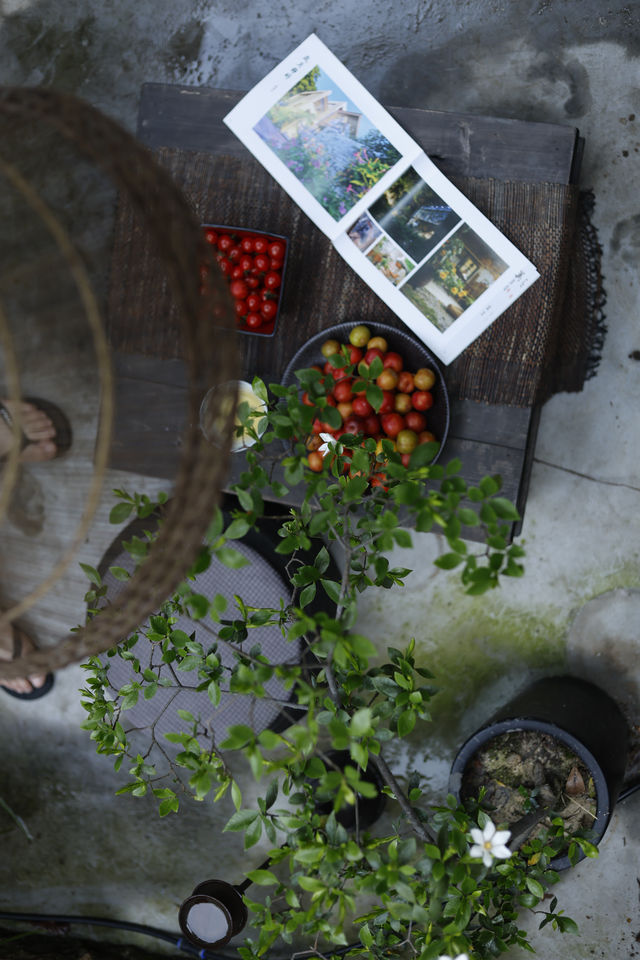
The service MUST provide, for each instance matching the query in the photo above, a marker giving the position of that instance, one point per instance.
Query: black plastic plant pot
(579, 715)
(213, 914)
(369, 808)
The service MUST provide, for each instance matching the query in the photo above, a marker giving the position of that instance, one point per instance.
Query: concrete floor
(578, 607)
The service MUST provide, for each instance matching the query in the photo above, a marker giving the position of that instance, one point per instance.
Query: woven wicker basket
(41, 127)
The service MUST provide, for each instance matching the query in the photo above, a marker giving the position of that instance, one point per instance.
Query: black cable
(628, 790)
(176, 939)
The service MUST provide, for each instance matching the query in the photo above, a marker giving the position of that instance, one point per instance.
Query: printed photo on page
(419, 243)
(321, 134)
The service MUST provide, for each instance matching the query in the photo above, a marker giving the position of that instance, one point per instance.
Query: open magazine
(439, 263)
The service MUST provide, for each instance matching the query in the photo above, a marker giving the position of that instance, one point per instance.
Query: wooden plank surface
(489, 439)
(461, 143)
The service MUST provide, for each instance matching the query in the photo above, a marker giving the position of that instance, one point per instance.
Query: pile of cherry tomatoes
(406, 397)
(253, 263)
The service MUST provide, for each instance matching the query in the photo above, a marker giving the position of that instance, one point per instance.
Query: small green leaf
(332, 589)
(241, 819)
(374, 395)
(263, 878)
(406, 723)
(92, 574)
(272, 794)
(253, 833)
(260, 390)
(307, 595)
(448, 561)
(120, 512)
(535, 887)
(231, 558)
(504, 509)
(237, 529)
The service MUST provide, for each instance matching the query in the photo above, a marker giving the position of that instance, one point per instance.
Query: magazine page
(420, 244)
(439, 263)
(322, 135)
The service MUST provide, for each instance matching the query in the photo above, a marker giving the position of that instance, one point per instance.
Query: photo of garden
(364, 232)
(454, 277)
(390, 260)
(414, 215)
(326, 142)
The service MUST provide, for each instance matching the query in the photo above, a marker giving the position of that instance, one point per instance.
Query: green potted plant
(440, 882)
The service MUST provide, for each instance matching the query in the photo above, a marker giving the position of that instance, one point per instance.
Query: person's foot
(36, 426)
(8, 652)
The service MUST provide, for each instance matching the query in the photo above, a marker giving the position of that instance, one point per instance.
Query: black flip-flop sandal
(35, 692)
(63, 435)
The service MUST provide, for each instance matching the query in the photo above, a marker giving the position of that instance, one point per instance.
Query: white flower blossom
(490, 844)
(328, 443)
(460, 956)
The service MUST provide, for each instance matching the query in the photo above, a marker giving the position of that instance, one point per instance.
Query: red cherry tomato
(247, 244)
(252, 282)
(422, 399)
(393, 360)
(319, 427)
(239, 289)
(225, 243)
(253, 320)
(361, 406)
(246, 262)
(253, 300)
(236, 272)
(277, 249)
(392, 424)
(269, 309)
(388, 402)
(241, 308)
(212, 236)
(275, 264)
(405, 382)
(415, 421)
(372, 425)
(261, 262)
(353, 424)
(225, 265)
(355, 354)
(260, 244)
(315, 461)
(272, 280)
(234, 253)
(342, 391)
(370, 354)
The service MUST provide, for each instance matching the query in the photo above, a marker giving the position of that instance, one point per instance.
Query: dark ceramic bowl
(413, 352)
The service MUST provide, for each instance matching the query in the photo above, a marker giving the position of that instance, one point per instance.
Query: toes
(39, 452)
(24, 684)
(35, 424)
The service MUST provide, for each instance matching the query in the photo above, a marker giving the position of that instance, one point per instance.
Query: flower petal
(489, 830)
(501, 852)
(477, 836)
(487, 859)
(501, 836)
(477, 850)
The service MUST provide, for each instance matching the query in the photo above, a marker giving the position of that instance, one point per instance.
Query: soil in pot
(524, 771)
